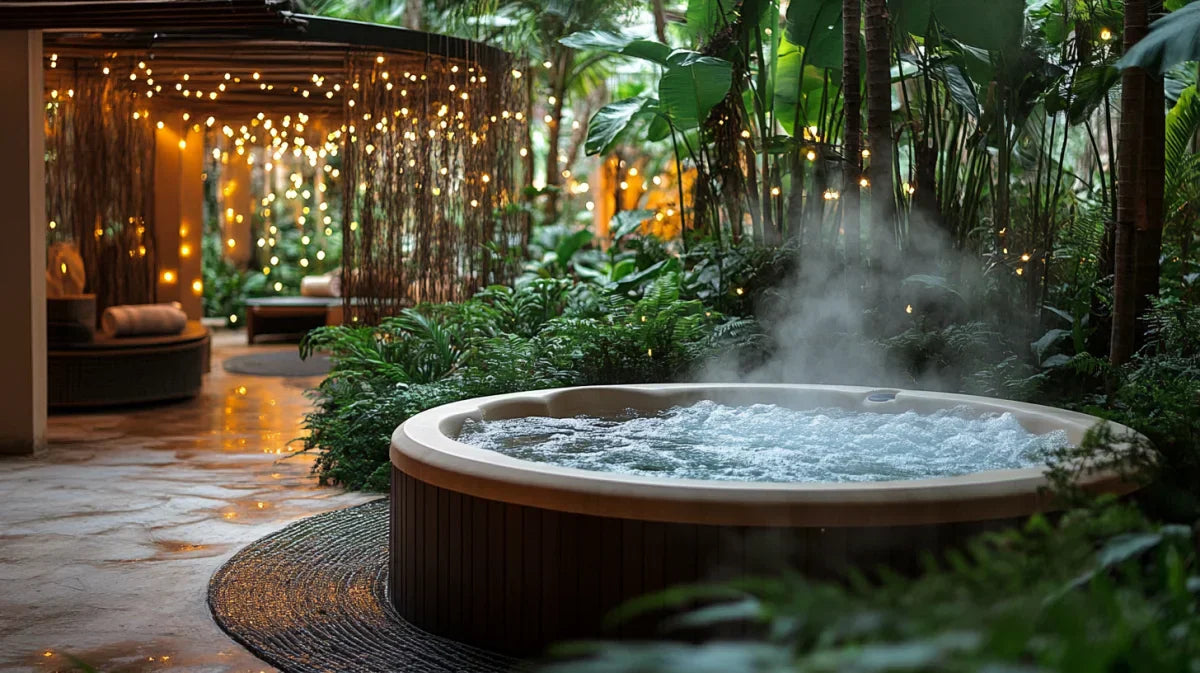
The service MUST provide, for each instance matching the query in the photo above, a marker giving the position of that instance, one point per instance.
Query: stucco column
(178, 216)
(23, 255)
(166, 213)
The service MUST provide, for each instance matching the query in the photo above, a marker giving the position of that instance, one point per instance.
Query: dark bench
(292, 316)
(128, 370)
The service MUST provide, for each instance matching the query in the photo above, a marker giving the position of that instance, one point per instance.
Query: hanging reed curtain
(429, 181)
(100, 185)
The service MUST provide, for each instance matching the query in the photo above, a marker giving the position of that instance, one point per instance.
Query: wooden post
(23, 257)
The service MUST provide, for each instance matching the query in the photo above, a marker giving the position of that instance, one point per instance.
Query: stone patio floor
(109, 537)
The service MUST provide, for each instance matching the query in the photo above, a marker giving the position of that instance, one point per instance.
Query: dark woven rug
(313, 598)
(278, 363)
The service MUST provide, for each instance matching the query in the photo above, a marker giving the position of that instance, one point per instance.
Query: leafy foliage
(1102, 590)
(503, 340)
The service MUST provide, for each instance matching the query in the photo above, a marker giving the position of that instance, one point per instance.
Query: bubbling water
(769, 443)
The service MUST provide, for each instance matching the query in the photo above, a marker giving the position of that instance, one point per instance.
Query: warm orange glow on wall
(185, 250)
(168, 276)
(197, 287)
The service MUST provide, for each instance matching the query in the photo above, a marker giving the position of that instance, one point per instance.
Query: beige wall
(23, 255)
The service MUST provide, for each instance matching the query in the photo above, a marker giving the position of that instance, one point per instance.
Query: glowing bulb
(908, 309)
(1105, 34)
(197, 287)
(168, 276)
(185, 250)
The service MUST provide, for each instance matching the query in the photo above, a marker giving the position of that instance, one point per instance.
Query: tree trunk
(852, 168)
(879, 128)
(1147, 242)
(660, 20)
(1129, 191)
(412, 15)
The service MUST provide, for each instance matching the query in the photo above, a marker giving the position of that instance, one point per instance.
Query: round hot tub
(513, 555)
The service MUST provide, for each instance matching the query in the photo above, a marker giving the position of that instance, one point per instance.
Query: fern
(1182, 122)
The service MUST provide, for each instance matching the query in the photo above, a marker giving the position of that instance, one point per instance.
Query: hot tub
(513, 555)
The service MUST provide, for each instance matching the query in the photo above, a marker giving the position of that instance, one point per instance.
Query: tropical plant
(533, 335)
(1101, 590)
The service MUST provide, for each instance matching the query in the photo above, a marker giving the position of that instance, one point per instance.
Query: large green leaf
(792, 87)
(602, 40)
(949, 73)
(1173, 39)
(994, 25)
(611, 120)
(705, 17)
(692, 85)
(1182, 122)
(816, 25)
(1090, 88)
(626, 222)
(911, 16)
(960, 87)
(571, 244)
(655, 270)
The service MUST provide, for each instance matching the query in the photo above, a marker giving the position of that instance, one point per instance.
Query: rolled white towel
(143, 320)
(328, 285)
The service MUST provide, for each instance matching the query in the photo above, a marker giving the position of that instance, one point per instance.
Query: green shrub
(502, 340)
(1101, 591)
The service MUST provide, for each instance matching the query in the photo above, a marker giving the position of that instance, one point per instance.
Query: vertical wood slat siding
(516, 579)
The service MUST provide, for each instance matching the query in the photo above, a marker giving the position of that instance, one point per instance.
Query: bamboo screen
(429, 182)
(426, 138)
(100, 185)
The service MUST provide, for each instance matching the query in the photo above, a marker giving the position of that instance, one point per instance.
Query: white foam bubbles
(766, 442)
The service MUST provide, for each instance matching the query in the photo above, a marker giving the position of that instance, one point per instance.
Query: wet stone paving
(108, 538)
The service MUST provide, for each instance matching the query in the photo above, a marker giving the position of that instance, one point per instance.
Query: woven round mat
(278, 363)
(313, 597)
